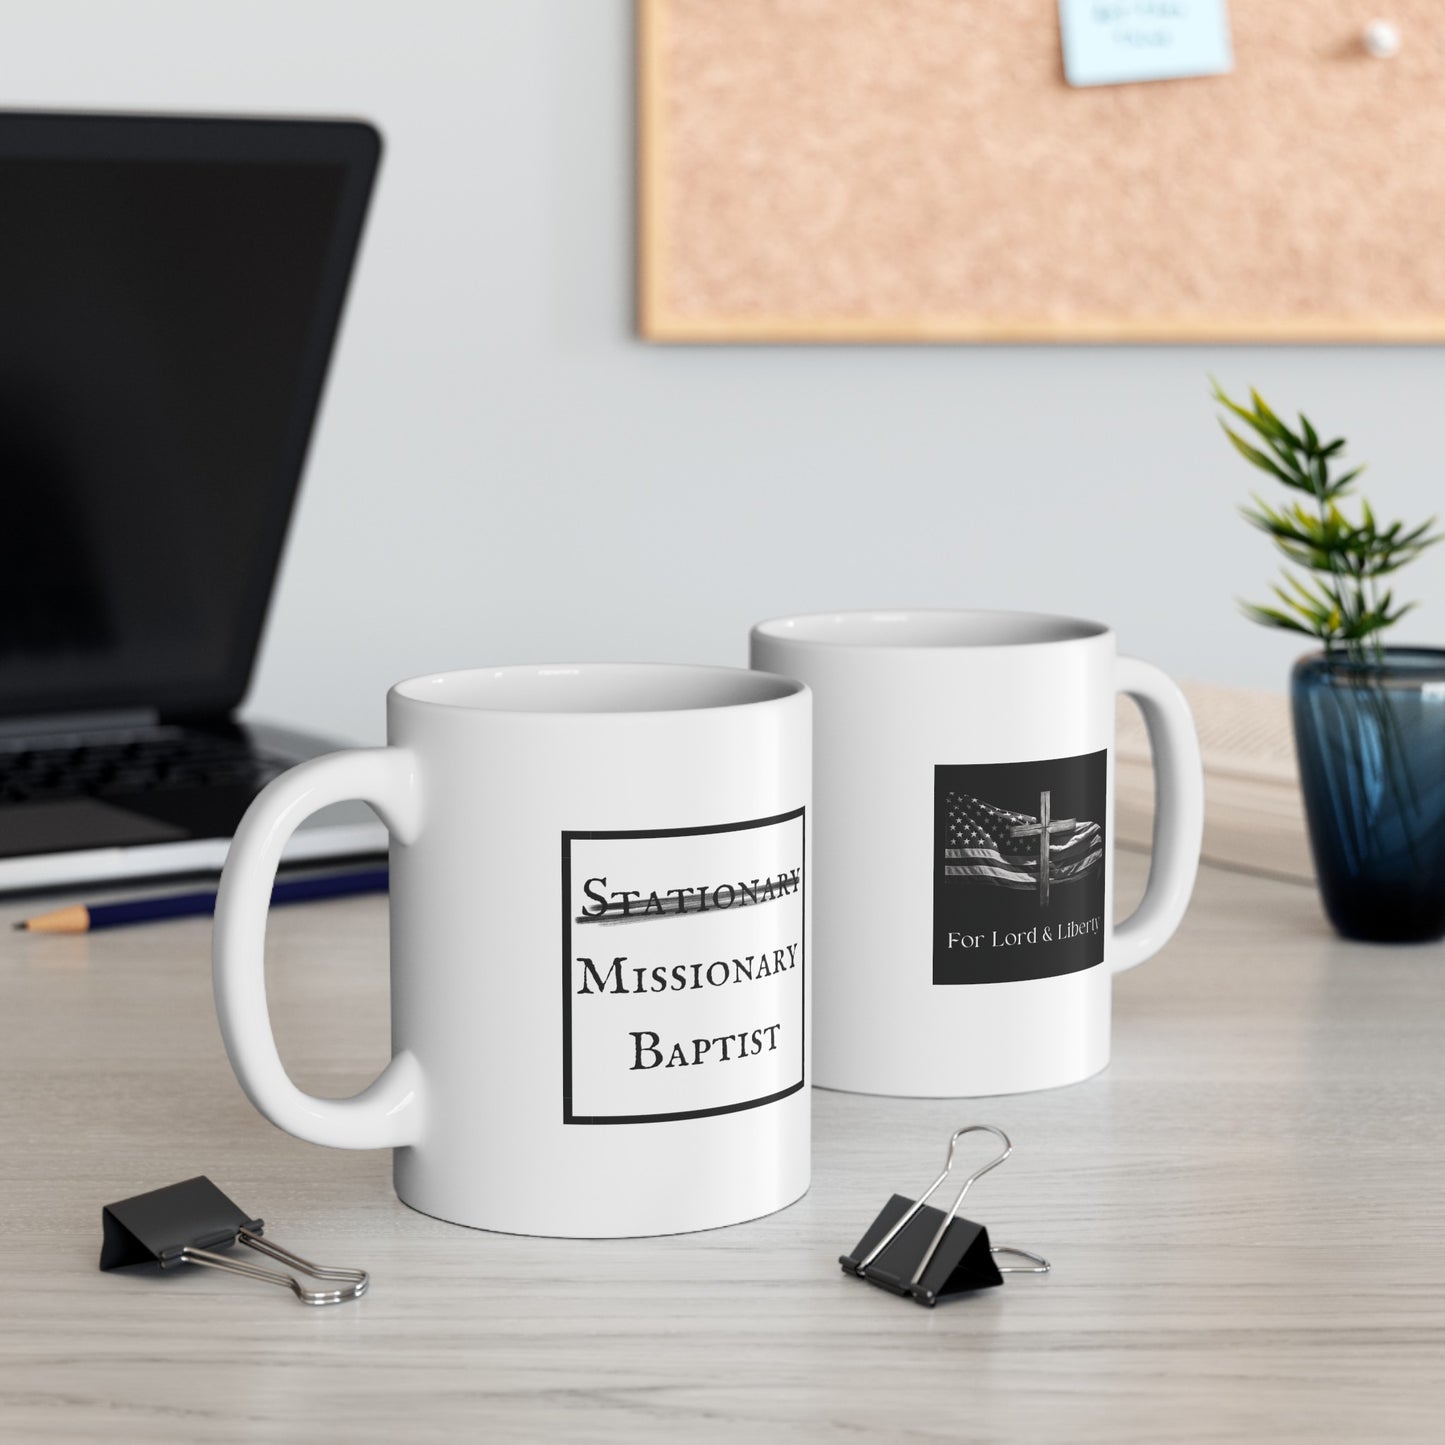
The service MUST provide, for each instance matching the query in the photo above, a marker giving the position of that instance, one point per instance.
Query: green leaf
(1270, 617)
(1410, 538)
(1305, 604)
(1256, 457)
(1262, 421)
(1269, 422)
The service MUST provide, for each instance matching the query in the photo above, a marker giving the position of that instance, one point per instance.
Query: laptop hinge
(78, 722)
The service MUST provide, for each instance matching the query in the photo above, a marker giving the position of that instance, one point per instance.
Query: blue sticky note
(1110, 42)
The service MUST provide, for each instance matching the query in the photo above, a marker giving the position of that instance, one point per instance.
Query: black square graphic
(1019, 856)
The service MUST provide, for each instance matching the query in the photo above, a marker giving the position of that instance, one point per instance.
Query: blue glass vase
(1371, 743)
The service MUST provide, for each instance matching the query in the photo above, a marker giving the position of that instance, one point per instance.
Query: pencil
(80, 918)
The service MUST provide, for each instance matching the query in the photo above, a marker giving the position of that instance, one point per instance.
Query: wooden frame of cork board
(919, 170)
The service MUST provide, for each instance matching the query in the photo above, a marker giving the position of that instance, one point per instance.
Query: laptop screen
(169, 291)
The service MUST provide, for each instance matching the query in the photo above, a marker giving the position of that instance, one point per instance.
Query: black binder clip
(916, 1250)
(187, 1223)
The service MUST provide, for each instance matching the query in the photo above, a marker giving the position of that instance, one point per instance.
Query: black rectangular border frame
(353, 144)
(568, 1117)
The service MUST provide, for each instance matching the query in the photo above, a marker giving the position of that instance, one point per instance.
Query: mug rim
(753, 688)
(1056, 629)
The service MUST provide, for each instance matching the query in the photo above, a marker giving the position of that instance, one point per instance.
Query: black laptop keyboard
(116, 766)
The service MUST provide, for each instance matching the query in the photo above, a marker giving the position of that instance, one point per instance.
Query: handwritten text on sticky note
(1108, 42)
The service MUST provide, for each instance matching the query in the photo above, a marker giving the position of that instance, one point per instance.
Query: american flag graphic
(981, 844)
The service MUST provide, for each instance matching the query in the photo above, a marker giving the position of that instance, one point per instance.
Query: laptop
(170, 290)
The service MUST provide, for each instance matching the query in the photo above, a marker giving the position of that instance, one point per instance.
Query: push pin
(916, 1250)
(187, 1223)
(1381, 39)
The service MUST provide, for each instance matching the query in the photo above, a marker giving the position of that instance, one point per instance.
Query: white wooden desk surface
(1246, 1216)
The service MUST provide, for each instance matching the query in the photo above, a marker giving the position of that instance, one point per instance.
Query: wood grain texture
(919, 170)
(1246, 1215)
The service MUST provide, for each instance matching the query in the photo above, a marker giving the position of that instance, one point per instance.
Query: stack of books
(1253, 813)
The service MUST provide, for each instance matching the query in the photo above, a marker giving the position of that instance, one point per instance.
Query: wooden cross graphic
(1043, 828)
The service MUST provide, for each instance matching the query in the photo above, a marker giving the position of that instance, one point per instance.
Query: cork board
(919, 170)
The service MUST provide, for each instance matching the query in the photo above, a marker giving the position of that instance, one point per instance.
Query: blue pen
(80, 919)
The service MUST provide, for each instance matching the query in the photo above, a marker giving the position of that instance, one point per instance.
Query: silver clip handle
(993, 1163)
(356, 1280)
(923, 1198)
(1040, 1264)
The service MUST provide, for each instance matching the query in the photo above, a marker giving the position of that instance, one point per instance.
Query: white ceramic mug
(598, 930)
(964, 792)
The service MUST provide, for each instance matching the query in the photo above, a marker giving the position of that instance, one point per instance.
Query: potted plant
(1369, 719)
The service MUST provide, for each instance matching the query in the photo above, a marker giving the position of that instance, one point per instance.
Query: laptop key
(115, 769)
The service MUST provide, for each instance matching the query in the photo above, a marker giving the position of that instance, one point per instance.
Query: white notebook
(1253, 817)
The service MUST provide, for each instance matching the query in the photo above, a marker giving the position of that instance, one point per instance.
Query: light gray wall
(503, 472)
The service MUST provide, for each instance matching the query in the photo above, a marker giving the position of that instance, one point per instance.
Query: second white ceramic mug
(963, 810)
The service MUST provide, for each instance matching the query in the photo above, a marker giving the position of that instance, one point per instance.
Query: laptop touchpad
(76, 823)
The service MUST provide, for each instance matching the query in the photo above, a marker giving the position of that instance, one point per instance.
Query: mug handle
(1178, 813)
(391, 1111)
